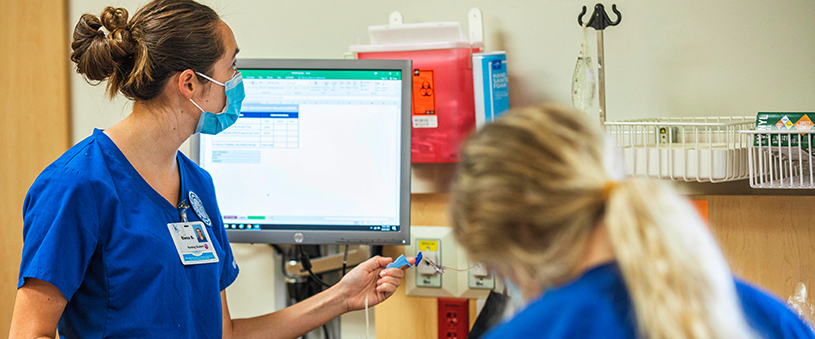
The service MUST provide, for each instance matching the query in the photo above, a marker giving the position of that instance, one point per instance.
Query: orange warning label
(424, 92)
(804, 124)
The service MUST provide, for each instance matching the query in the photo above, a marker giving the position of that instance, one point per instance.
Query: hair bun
(114, 18)
(136, 55)
(101, 55)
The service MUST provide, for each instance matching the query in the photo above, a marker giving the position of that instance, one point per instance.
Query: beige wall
(34, 122)
(678, 58)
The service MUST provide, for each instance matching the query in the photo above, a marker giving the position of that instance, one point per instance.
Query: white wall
(677, 58)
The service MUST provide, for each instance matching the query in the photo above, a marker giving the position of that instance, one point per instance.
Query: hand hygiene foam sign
(491, 86)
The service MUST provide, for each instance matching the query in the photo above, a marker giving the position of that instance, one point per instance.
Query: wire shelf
(781, 159)
(691, 149)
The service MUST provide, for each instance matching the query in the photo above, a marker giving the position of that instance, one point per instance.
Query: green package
(784, 121)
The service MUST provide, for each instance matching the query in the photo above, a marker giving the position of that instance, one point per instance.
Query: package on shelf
(787, 145)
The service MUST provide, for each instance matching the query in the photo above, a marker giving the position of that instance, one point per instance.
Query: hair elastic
(608, 188)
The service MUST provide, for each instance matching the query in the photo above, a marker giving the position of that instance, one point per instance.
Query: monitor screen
(320, 153)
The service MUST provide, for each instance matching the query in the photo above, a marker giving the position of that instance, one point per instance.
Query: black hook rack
(599, 19)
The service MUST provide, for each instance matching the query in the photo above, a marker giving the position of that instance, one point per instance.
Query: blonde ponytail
(532, 188)
(678, 280)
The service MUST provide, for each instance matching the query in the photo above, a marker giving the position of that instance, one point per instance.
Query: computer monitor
(319, 155)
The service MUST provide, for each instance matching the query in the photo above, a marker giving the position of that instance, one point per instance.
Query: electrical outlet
(427, 276)
(424, 267)
(438, 245)
(478, 270)
(479, 278)
(454, 318)
(476, 283)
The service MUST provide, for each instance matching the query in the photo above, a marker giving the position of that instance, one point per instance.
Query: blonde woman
(594, 256)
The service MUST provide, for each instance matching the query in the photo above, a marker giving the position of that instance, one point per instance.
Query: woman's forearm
(296, 320)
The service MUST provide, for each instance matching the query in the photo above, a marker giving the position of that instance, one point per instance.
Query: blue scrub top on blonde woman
(95, 229)
(597, 305)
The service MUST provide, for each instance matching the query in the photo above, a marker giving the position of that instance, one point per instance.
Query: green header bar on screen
(320, 74)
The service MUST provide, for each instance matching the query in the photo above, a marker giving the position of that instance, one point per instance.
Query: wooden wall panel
(413, 317)
(34, 119)
(768, 240)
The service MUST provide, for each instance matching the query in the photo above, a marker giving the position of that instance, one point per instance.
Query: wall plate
(435, 285)
(469, 285)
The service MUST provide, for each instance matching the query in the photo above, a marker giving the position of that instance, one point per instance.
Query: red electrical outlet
(454, 318)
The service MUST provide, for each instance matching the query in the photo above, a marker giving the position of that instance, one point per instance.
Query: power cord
(299, 291)
(367, 322)
(345, 260)
(304, 259)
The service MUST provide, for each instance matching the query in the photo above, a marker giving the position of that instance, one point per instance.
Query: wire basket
(692, 149)
(781, 159)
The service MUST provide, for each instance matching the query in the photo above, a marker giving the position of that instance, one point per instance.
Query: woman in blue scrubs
(107, 223)
(540, 200)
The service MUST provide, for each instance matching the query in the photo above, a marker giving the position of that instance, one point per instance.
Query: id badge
(193, 243)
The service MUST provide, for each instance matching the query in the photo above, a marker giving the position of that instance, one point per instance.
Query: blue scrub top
(95, 229)
(597, 305)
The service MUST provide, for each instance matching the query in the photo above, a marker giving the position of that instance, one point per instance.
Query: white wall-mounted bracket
(475, 25)
(395, 18)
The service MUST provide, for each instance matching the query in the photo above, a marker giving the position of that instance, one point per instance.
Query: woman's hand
(365, 280)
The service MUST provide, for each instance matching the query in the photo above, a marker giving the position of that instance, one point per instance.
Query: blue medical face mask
(214, 123)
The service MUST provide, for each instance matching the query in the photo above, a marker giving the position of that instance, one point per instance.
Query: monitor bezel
(402, 237)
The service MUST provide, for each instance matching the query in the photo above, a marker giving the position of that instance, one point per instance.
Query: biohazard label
(424, 99)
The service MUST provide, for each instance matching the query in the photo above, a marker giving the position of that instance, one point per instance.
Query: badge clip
(182, 210)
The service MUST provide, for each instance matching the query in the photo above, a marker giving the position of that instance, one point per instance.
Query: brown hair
(532, 187)
(138, 56)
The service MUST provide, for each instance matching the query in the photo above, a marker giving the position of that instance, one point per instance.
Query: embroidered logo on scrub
(198, 208)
